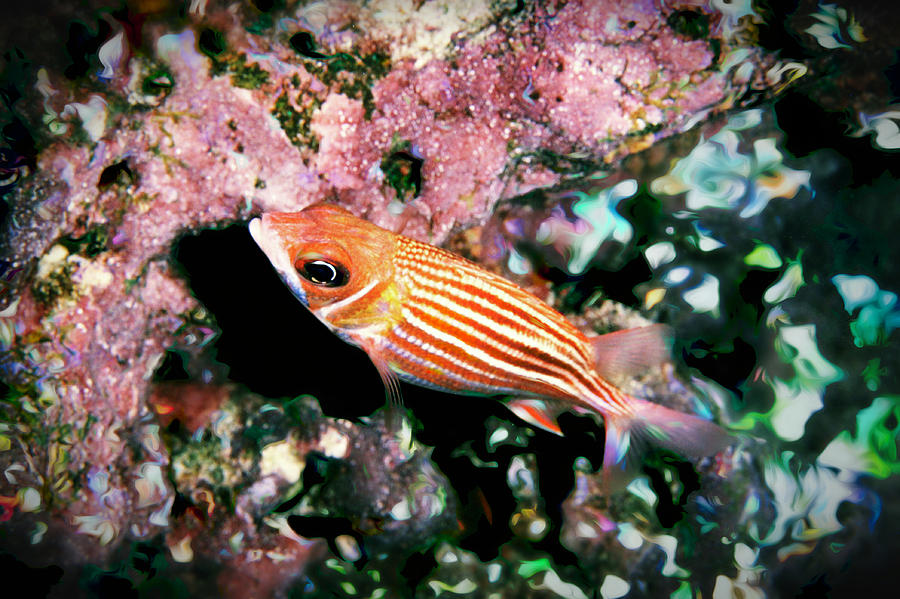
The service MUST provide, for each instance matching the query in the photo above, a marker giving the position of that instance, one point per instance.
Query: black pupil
(322, 273)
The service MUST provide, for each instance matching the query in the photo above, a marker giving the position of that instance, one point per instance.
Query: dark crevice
(270, 341)
(304, 44)
(118, 173)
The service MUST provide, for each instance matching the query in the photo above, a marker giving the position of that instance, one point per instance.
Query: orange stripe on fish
(430, 263)
(407, 352)
(510, 369)
(498, 323)
(432, 318)
(498, 312)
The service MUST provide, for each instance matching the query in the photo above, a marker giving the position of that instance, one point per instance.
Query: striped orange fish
(432, 318)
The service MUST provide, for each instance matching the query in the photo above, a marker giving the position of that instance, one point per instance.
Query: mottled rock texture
(146, 120)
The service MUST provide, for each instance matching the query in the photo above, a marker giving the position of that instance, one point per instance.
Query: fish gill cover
(174, 423)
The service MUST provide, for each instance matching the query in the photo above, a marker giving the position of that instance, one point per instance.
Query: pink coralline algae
(214, 116)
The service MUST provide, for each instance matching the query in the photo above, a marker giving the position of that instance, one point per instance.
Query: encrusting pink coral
(186, 130)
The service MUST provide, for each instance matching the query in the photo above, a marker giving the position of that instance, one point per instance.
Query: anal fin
(538, 412)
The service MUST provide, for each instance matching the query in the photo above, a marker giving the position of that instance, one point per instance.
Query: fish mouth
(255, 227)
(270, 242)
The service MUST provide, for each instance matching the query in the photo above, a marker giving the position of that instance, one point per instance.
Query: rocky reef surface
(171, 425)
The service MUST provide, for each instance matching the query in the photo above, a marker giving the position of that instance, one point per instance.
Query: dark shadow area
(270, 342)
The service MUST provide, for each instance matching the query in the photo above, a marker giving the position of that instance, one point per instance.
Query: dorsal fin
(630, 352)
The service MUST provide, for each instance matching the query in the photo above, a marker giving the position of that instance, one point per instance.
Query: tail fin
(648, 422)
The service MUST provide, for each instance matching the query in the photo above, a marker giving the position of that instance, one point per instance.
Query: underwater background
(174, 423)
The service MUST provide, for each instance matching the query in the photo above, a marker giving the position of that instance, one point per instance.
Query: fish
(429, 317)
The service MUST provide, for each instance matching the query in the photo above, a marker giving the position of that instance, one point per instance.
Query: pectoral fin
(395, 417)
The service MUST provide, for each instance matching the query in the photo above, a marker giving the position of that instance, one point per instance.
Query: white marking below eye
(326, 311)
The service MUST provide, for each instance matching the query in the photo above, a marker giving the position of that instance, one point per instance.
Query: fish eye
(322, 272)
